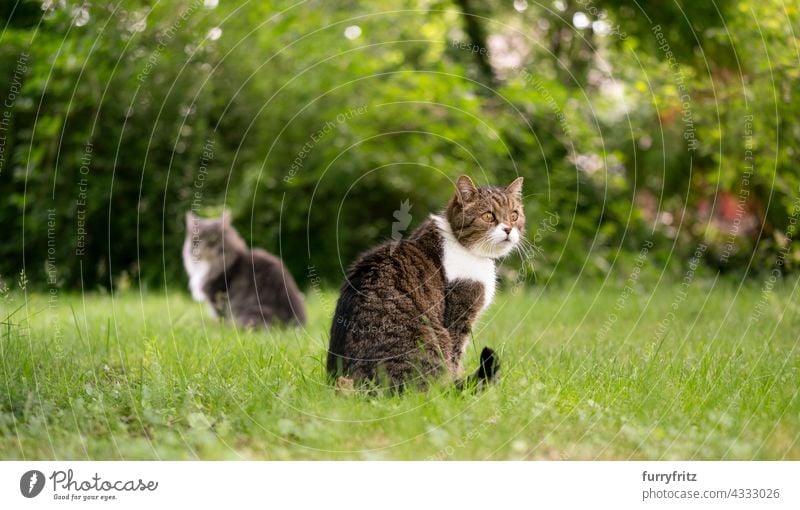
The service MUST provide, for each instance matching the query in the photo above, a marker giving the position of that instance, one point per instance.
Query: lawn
(590, 371)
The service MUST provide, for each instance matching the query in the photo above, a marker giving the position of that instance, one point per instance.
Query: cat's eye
(488, 217)
(514, 216)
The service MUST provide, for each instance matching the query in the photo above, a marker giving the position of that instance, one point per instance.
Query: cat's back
(409, 263)
(391, 298)
(275, 285)
(270, 267)
(263, 260)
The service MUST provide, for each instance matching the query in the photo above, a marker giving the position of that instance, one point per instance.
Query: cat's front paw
(197, 294)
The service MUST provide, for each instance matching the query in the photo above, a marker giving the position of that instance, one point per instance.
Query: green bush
(314, 123)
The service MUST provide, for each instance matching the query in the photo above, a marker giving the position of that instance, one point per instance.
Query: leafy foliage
(313, 123)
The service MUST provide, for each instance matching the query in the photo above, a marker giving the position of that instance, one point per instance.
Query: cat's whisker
(530, 247)
(532, 251)
(525, 249)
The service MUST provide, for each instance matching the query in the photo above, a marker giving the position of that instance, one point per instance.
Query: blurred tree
(314, 122)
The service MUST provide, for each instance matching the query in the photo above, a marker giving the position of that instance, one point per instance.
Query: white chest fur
(197, 278)
(461, 264)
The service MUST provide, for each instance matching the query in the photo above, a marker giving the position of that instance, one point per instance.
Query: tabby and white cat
(407, 308)
(250, 286)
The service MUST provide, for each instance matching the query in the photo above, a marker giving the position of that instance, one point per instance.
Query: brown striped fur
(401, 318)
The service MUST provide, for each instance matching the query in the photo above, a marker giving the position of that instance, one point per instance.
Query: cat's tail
(486, 372)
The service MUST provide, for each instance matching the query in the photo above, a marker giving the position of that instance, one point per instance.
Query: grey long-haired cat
(407, 308)
(250, 286)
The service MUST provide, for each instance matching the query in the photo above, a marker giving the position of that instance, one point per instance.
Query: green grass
(152, 377)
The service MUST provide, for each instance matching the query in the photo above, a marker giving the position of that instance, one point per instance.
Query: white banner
(401, 485)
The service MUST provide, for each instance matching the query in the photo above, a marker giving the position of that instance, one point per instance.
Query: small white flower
(580, 20)
(352, 32)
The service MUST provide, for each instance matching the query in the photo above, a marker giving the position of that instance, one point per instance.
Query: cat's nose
(507, 230)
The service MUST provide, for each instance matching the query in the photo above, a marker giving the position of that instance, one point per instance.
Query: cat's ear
(465, 188)
(190, 217)
(226, 218)
(515, 188)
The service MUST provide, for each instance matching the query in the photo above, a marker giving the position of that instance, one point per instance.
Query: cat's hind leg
(255, 317)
